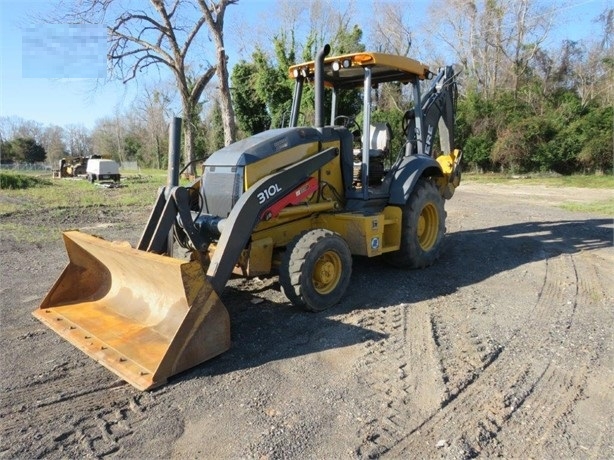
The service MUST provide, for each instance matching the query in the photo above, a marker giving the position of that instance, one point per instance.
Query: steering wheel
(349, 123)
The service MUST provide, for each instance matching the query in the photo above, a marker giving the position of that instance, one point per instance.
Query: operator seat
(380, 136)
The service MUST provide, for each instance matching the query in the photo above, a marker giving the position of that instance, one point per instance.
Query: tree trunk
(189, 130)
(228, 115)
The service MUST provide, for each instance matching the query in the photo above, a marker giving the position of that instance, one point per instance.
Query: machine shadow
(471, 256)
(271, 331)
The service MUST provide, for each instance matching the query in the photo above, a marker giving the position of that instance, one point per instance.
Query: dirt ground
(502, 349)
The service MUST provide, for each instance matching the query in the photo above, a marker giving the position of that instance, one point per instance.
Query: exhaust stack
(319, 85)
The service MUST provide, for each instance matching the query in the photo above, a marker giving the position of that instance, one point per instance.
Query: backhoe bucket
(143, 316)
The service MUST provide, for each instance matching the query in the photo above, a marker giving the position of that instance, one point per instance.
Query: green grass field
(543, 179)
(34, 191)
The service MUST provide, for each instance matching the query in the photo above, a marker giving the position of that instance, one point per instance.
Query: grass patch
(77, 193)
(16, 181)
(31, 234)
(68, 197)
(605, 208)
(549, 180)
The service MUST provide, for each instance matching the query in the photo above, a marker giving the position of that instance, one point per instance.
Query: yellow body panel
(260, 257)
(366, 235)
(259, 169)
(330, 173)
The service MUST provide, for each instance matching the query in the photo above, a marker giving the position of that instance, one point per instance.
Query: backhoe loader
(297, 202)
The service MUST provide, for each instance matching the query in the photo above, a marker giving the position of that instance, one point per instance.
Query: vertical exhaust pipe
(319, 85)
(174, 152)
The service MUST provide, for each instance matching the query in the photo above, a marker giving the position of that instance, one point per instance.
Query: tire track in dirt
(520, 391)
(408, 374)
(96, 411)
(379, 373)
(556, 418)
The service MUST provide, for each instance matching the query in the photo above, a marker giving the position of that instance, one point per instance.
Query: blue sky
(35, 88)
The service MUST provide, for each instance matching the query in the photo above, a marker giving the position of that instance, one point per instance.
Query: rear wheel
(424, 226)
(315, 270)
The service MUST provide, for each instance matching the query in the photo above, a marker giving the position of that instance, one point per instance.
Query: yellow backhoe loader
(297, 201)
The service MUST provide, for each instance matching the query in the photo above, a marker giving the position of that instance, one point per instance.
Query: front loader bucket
(143, 316)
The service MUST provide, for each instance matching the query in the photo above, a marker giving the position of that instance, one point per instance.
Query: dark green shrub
(20, 181)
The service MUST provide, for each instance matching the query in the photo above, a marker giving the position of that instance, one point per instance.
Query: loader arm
(248, 209)
(172, 208)
(172, 203)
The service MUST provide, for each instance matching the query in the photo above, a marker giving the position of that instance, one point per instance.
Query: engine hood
(262, 145)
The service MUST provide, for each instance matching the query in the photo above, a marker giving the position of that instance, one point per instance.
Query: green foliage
(27, 150)
(477, 152)
(6, 152)
(12, 181)
(250, 108)
(263, 91)
(213, 132)
(555, 134)
(598, 146)
(348, 41)
(132, 148)
(519, 143)
(476, 130)
(272, 83)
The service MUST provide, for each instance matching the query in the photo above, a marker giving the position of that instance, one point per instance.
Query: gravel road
(503, 348)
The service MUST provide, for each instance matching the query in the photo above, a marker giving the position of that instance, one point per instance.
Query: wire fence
(25, 167)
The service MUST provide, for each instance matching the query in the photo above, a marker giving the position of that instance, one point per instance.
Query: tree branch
(200, 84)
(191, 36)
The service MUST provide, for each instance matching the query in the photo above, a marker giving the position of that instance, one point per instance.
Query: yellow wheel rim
(428, 227)
(327, 272)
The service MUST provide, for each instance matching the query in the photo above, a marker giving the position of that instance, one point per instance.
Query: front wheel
(423, 228)
(315, 270)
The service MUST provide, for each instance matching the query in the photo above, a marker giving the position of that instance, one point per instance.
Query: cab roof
(346, 71)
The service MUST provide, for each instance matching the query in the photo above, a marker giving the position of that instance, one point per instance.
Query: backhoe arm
(438, 106)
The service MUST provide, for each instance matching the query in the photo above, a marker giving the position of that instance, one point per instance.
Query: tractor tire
(423, 228)
(315, 270)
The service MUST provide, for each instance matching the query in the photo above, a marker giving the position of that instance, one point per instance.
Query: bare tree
(164, 35)
(53, 142)
(78, 140)
(13, 127)
(391, 29)
(495, 40)
(153, 111)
